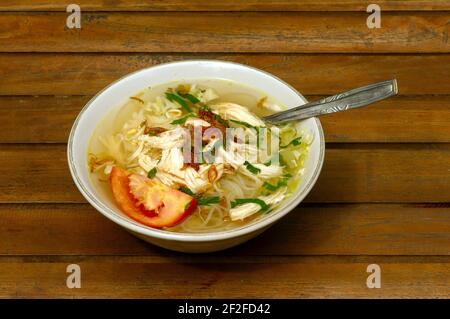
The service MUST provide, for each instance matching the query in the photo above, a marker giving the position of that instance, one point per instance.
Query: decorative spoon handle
(340, 102)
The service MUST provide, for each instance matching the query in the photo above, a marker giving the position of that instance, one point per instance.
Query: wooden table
(383, 196)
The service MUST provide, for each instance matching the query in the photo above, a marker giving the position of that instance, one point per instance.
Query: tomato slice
(148, 201)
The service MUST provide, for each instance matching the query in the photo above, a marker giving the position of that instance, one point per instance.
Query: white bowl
(114, 94)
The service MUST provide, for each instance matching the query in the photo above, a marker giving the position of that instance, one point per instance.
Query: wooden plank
(349, 229)
(305, 277)
(401, 119)
(385, 173)
(323, 74)
(225, 32)
(41, 174)
(48, 119)
(351, 173)
(233, 5)
(44, 119)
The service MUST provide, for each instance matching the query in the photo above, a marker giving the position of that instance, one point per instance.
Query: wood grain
(405, 119)
(382, 197)
(287, 32)
(43, 119)
(41, 174)
(233, 5)
(311, 74)
(301, 277)
(401, 119)
(351, 173)
(384, 173)
(347, 229)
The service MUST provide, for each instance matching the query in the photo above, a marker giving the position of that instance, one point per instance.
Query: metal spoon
(340, 102)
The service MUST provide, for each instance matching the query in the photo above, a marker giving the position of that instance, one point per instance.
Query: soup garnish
(197, 157)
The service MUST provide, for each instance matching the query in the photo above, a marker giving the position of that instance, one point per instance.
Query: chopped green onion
(173, 97)
(189, 97)
(182, 120)
(221, 120)
(281, 182)
(206, 201)
(270, 187)
(205, 107)
(280, 161)
(151, 173)
(252, 169)
(186, 190)
(240, 201)
(296, 141)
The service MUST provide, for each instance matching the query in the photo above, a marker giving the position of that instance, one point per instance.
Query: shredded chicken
(194, 181)
(233, 111)
(147, 162)
(245, 210)
(265, 172)
(197, 122)
(165, 140)
(172, 160)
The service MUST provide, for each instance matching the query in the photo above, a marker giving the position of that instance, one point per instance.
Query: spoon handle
(340, 102)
